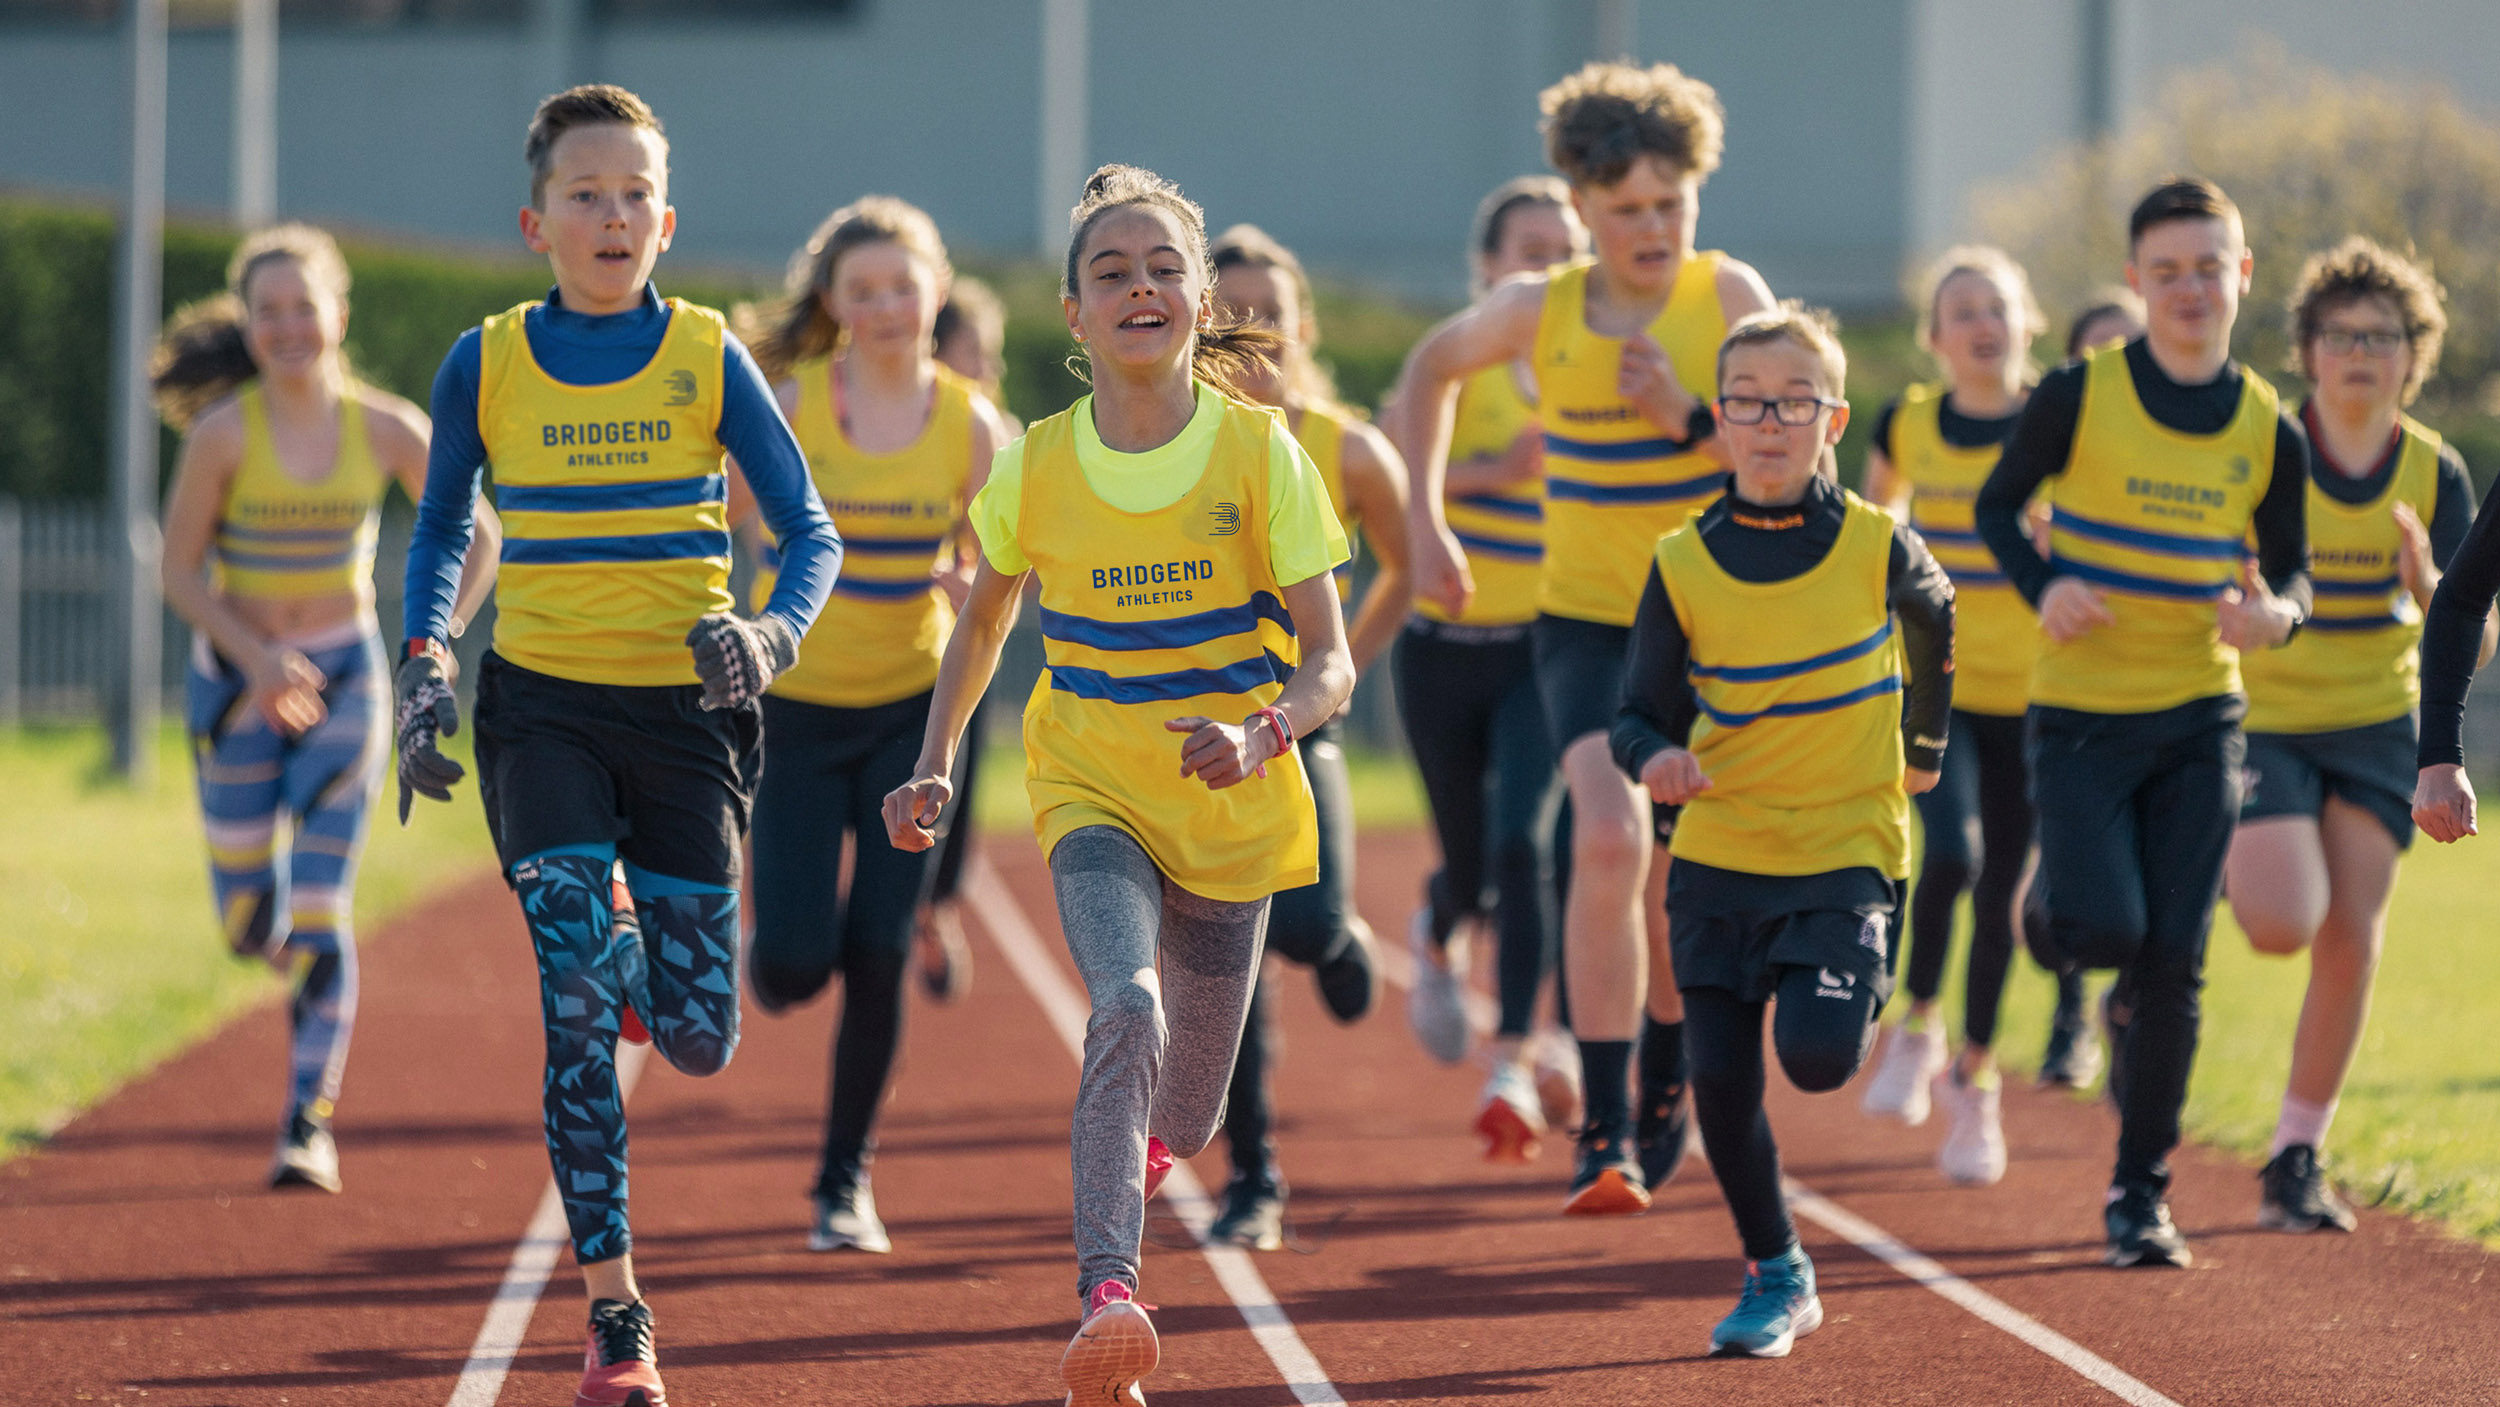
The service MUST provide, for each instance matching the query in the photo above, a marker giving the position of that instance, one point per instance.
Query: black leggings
(1821, 1039)
(1308, 925)
(826, 773)
(1978, 823)
(1473, 717)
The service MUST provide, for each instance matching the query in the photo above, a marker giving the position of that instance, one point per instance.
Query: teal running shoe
(1777, 1308)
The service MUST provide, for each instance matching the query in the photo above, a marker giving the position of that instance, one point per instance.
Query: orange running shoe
(1510, 1121)
(1114, 1348)
(620, 1367)
(1158, 1165)
(1607, 1181)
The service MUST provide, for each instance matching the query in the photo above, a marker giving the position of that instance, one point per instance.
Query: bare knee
(2273, 930)
(1609, 845)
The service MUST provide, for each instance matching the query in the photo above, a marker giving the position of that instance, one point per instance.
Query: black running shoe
(1254, 1214)
(2297, 1196)
(2140, 1229)
(1345, 980)
(1663, 1134)
(307, 1155)
(1606, 1179)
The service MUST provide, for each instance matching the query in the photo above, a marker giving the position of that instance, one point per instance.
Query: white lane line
(1066, 1008)
(1879, 1243)
(533, 1260)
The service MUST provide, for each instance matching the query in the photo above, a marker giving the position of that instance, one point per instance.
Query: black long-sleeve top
(1763, 544)
(2044, 444)
(2452, 629)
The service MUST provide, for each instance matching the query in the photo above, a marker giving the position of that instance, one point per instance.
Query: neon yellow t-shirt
(1304, 539)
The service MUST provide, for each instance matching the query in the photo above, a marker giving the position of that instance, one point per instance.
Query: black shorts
(1579, 679)
(647, 768)
(2292, 774)
(1738, 931)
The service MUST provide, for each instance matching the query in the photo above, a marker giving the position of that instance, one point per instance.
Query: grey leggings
(1159, 1044)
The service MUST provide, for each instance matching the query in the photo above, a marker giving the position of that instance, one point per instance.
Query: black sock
(1662, 1056)
(1605, 1070)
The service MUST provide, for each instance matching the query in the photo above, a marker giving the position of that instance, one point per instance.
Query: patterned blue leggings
(680, 975)
(318, 788)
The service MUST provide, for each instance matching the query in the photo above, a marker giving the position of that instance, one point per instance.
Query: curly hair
(2361, 268)
(1227, 351)
(797, 327)
(203, 356)
(1600, 120)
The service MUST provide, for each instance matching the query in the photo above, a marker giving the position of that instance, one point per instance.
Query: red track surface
(139, 1259)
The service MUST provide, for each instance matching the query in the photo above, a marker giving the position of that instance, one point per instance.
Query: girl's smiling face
(292, 324)
(885, 298)
(1141, 291)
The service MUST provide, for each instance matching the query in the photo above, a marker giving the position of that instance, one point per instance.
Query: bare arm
(1883, 485)
(1226, 754)
(989, 436)
(401, 435)
(285, 686)
(1375, 489)
(989, 612)
(1500, 329)
(1742, 293)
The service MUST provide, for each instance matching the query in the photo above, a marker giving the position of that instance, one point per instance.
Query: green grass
(110, 955)
(2420, 1120)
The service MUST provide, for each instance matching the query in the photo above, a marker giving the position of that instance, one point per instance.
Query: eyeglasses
(1792, 411)
(2339, 342)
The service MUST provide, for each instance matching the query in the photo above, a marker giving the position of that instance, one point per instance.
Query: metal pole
(1065, 107)
(141, 297)
(255, 113)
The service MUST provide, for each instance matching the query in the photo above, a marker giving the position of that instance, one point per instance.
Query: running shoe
(2140, 1229)
(945, 958)
(1606, 1180)
(1777, 1308)
(1556, 1063)
(1254, 1214)
(1113, 1349)
(1436, 1003)
(1158, 1164)
(1663, 1133)
(628, 927)
(620, 1368)
(847, 1221)
(1345, 981)
(307, 1155)
(2073, 1058)
(2297, 1196)
(1913, 1057)
(1974, 1140)
(1510, 1121)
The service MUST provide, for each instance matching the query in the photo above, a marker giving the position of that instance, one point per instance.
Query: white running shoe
(1436, 1005)
(1912, 1058)
(1974, 1141)
(1509, 1120)
(1555, 1062)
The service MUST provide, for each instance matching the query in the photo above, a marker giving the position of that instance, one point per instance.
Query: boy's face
(2191, 275)
(1642, 226)
(603, 217)
(1771, 460)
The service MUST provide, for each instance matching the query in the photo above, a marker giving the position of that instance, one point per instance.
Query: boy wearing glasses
(2165, 454)
(1766, 697)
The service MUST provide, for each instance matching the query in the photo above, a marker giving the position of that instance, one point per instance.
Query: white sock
(2302, 1122)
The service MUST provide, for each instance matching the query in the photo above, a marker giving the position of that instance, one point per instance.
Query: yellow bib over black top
(1614, 482)
(1996, 634)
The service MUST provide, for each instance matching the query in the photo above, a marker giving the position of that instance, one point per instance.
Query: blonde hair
(203, 355)
(1224, 353)
(1814, 329)
(798, 327)
(2362, 268)
(1987, 261)
(1249, 247)
(1600, 120)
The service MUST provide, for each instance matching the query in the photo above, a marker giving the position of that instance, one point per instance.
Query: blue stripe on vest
(1582, 491)
(875, 590)
(600, 498)
(1494, 546)
(2336, 623)
(284, 535)
(1756, 673)
(697, 545)
(2204, 549)
(1974, 578)
(1239, 677)
(1526, 510)
(890, 546)
(1889, 684)
(2140, 585)
(279, 562)
(1175, 633)
(2329, 586)
(1614, 451)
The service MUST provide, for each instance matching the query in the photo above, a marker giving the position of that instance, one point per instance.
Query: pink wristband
(1275, 718)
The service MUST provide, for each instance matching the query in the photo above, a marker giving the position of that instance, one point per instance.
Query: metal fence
(58, 659)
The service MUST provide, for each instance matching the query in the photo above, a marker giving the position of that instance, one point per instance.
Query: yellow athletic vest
(2357, 661)
(614, 506)
(1614, 483)
(1800, 689)
(1147, 617)
(1995, 632)
(1321, 431)
(884, 627)
(2156, 520)
(1503, 532)
(280, 537)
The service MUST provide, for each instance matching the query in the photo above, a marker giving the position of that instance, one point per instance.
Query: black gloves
(736, 657)
(427, 711)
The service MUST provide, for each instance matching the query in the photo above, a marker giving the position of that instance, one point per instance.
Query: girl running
(1466, 688)
(1932, 449)
(270, 531)
(1260, 280)
(1624, 352)
(2327, 809)
(896, 444)
(1183, 546)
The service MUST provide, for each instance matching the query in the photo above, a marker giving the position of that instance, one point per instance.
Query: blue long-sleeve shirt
(580, 349)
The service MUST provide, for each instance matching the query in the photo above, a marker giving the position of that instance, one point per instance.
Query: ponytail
(203, 356)
(1232, 351)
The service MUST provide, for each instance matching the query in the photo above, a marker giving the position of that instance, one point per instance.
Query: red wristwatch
(1275, 718)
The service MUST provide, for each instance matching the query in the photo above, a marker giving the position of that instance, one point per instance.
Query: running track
(140, 1261)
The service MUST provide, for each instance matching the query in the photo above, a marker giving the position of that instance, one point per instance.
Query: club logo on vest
(2239, 468)
(680, 388)
(1227, 518)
